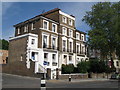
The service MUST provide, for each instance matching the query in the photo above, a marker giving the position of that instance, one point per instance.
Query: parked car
(115, 76)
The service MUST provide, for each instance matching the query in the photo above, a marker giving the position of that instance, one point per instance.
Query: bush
(83, 67)
(67, 69)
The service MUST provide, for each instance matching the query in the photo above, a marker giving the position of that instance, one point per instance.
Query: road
(11, 81)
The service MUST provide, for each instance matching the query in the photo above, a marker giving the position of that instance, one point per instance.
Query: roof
(43, 14)
(80, 31)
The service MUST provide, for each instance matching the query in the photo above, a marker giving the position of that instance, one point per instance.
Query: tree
(4, 44)
(104, 34)
(83, 67)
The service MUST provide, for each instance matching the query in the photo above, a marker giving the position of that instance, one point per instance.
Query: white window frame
(72, 46)
(18, 30)
(47, 25)
(64, 28)
(65, 45)
(71, 35)
(26, 28)
(78, 38)
(55, 40)
(70, 22)
(82, 35)
(64, 19)
(47, 39)
(55, 27)
(32, 26)
(78, 49)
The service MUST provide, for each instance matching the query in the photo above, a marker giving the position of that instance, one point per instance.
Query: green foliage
(83, 67)
(67, 69)
(104, 20)
(4, 44)
(99, 66)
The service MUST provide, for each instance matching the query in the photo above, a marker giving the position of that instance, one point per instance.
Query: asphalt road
(11, 81)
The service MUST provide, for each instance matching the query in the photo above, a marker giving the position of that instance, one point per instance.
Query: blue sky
(13, 13)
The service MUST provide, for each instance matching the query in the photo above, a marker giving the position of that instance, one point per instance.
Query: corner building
(45, 42)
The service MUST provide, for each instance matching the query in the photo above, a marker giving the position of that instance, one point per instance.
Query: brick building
(45, 42)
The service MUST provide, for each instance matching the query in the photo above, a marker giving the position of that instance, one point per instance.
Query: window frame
(55, 27)
(64, 19)
(71, 23)
(47, 25)
(64, 29)
(70, 33)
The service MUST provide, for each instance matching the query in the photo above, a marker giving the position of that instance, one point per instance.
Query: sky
(16, 12)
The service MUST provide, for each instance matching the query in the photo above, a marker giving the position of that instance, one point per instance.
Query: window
(33, 55)
(77, 36)
(70, 58)
(33, 26)
(70, 22)
(45, 24)
(82, 37)
(70, 33)
(18, 31)
(77, 48)
(25, 28)
(33, 41)
(70, 46)
(117, 63)
(53, 43)
(45, 55)
(64, 45)
(44, 41)
(53, 56)
(65, 56)
(83, 49)
(64, 19)
(54, 27)
(64, 31)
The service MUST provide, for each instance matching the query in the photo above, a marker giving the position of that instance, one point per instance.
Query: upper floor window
(70, 33)
(82, 37)
(53, 43)
(54, 27)
(33, 26)
(70, 47)
(77, 36)
(33, 41)
(45, 24)
(78, 48)
(18, 31)
(70, 22)
(64, 19)
(44, 41)
(64, 30)
(25, 28)
(64, 45)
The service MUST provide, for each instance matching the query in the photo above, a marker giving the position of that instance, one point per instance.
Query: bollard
(69, 78)
(43, 84)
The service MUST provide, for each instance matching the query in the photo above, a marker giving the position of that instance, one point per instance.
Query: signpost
(43, 81)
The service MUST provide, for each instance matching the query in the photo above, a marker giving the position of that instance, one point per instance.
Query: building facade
(49, 40)
(3, 56)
